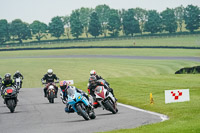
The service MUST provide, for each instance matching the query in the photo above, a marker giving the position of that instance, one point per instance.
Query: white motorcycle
(106, 99)
(18, 83)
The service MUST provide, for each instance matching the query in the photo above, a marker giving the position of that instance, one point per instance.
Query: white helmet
(50, 72)
(93, 73)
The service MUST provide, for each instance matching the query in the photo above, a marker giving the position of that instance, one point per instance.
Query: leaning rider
(64, 86)
(49, 77)
(93, 84)
(7, 82)
(98, 77)
(18, 75)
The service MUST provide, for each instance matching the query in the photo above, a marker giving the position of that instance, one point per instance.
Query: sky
(45, 10)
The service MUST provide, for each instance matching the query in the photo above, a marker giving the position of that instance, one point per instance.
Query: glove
(64, 101)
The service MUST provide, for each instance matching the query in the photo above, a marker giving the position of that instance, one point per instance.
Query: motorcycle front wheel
(82, 112)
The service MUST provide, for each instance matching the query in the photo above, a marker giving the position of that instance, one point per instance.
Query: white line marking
(163, 117)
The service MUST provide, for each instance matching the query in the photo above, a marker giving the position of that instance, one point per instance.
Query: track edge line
(162, 116)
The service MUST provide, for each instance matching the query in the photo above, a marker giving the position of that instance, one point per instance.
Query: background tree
(179, 14)
(94, 25)
(103, 12)
(75, 22)
(66, 21)
(169, 20)
(141, 16)
(154, 22)
(20, 30)
(85, 18)
(114, 22)
(38, 29)
(4, 31)
(56, 27)
(130, 24)
(192, 17)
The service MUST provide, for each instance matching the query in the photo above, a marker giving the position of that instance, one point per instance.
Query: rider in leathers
(7, 82)
(93, 84)
(49, 77)
(64, 86)
(17, 75)
(94, 73)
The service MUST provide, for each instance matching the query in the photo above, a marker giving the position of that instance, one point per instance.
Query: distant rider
(49, 77)
(64, 86)
(18, 75)
(7, 82)
(91, 88)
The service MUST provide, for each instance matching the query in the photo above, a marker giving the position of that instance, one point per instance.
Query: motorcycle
(51, 91)
(80, 104)
(18, 83)
(106, 99)
(10, 98)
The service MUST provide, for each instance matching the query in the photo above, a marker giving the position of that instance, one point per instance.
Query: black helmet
(7, 76)
(92, 78)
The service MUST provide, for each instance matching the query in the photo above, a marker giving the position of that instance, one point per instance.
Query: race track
(34, 114)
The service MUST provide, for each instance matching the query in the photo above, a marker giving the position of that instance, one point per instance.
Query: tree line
(104, 20)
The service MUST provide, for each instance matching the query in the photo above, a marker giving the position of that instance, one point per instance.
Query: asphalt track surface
(34, 114)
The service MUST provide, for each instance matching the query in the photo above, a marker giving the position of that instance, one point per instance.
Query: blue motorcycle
(80, 104)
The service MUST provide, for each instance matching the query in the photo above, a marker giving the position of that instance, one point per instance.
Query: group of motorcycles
(81, 105)
(78, 102)
(10, 95)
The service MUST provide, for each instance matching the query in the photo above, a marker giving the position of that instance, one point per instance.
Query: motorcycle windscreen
(71, 91)
(100, 91)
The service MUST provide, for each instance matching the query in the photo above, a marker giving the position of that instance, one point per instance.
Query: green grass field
(186, 41)
(132, 80)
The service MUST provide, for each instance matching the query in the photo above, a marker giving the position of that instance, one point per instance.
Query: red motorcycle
(51, 91)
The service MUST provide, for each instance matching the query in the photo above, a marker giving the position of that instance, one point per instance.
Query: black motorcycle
(10, 98)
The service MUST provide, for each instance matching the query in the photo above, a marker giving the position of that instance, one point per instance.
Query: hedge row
(189, 70)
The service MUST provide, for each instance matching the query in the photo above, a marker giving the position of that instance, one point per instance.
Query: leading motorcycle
(80, 104)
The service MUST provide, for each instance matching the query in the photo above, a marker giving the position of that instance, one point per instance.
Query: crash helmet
(7, 76)
(63, 85)
(92, 79)
(17, 72)
(50, 72)
(93, 73)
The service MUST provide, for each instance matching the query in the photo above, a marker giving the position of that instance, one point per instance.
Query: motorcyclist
(50, 77)
(7, 82)
(0, 81)
(94, 73)
(68, 108)
(18, 75)
(93, 84)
